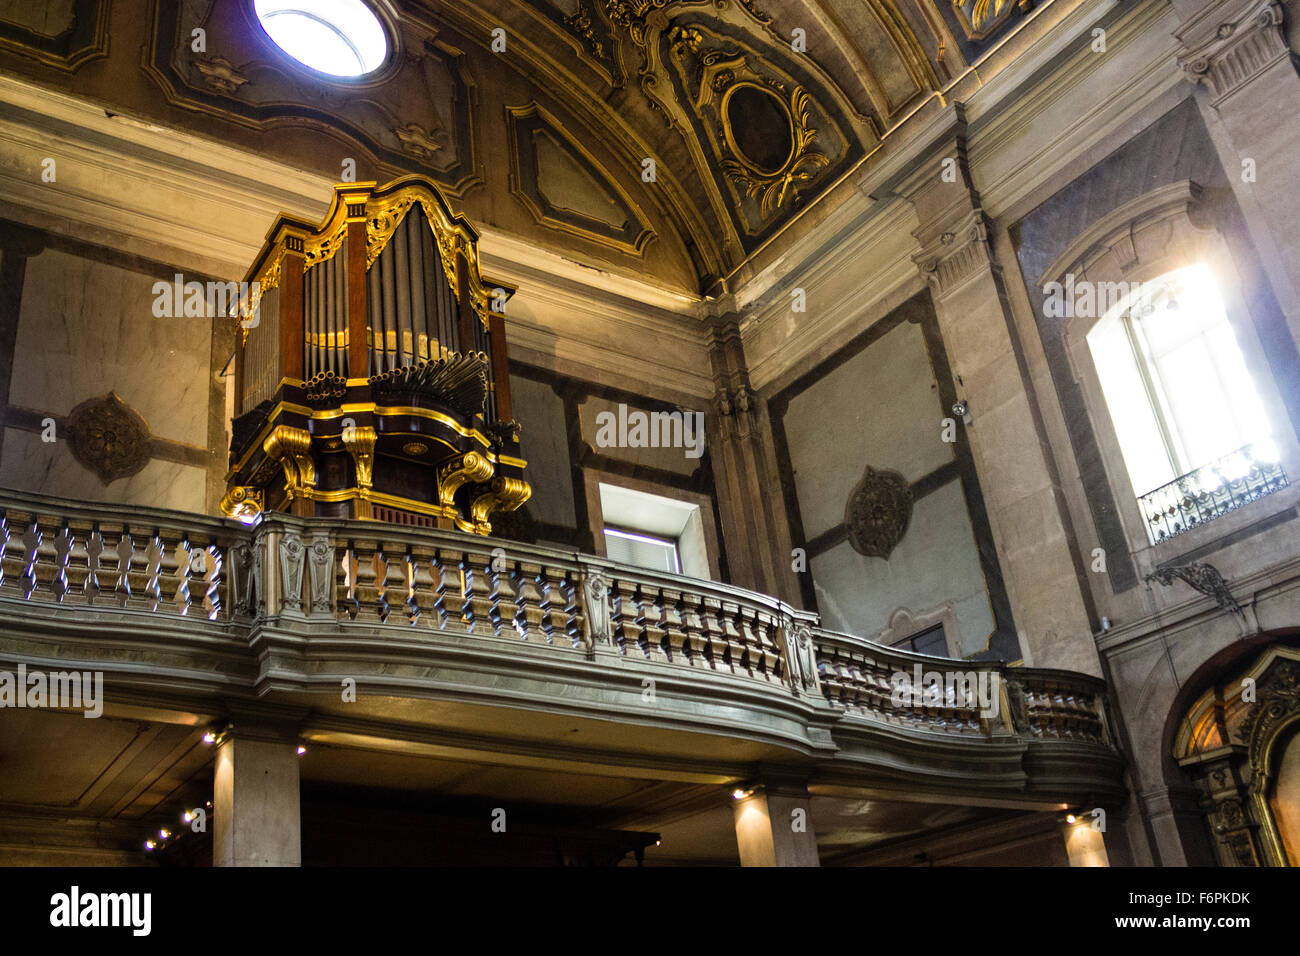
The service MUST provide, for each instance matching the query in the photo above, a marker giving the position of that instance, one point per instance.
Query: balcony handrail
(365, 574)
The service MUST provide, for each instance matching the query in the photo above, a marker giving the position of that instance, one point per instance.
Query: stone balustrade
(425, 582)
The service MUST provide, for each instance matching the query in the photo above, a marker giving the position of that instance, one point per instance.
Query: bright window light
(336, 37)
(642, 551)
(1176, 384)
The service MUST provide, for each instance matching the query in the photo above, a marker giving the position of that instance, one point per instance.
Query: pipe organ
(371, 378)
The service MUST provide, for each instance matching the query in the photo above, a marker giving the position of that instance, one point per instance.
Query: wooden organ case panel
(370, 369)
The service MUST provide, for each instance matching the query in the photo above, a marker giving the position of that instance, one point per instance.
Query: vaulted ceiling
(670, 138)
(748, 108)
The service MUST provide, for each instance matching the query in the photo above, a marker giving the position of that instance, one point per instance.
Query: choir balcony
(460, 643)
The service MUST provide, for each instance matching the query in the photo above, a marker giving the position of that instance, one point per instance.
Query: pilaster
(1002, 423)
(745, 473)
(1238, 50)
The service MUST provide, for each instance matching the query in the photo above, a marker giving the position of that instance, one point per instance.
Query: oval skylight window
(336, 37)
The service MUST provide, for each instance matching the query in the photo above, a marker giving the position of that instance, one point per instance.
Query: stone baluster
(31, 550)
(477, 604)
(774, 665)
(212, 579)
(153, 559)
(532, 605)
(4, 546)
(734, 653)
(367, 594)
(649, 614)
(674, 638)
(94, 556)
(627, 632)
(349, 601)
(438, 583)
(182, 599)
(713, 635)
(503, 611)
(62, 555)
(416, 581)
(78, 567)
(381, 566)
(551, 601)
(693, 629)
(574, 618)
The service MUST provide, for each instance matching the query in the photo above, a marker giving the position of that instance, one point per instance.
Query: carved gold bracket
(291, 447)
(242, 502)
(469, 467)
(506, 494)
(360, 443)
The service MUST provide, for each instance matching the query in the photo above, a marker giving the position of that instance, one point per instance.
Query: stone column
(1239, 50)
(255, 801)
(1026, 507)
(745, 474)
(1084, 845)
(774, 828)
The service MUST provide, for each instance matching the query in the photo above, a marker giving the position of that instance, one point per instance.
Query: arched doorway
(1239, 742)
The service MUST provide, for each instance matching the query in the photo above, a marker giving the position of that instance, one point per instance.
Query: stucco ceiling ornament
(979, 18)
(878, 512)
(109, 437)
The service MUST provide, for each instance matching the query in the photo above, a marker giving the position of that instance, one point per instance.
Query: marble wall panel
(935, 563)
(545, 445)
(31, 464)
(86, 328)
(880, 408)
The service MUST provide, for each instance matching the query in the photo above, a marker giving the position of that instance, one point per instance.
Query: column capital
(958, 253)
(1227, 45)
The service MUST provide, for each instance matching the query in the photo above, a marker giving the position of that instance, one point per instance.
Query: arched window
(336, 37)
(1193, 432)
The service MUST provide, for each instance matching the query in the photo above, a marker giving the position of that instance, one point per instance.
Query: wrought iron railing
(1210, 491)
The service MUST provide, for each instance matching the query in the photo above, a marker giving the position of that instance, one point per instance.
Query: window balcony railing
(1210, 491)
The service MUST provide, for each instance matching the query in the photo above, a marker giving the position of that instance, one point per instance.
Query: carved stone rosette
(109, 437)
(878, 512)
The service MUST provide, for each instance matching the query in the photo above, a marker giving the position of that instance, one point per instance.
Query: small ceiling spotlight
(1071, 818)
(149, 844)
(739, 794)
(209, 738)
(164, 834)
(187, 816)
(301, 750)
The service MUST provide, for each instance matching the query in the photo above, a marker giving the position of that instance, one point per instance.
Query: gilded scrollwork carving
(291, 447)
(360, 443)
(504, 494)
(470, 467)
(219, 73)
(772, 189)
(980, 18)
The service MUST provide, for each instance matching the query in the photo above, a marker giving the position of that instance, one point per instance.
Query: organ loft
(370, 369)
